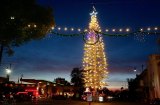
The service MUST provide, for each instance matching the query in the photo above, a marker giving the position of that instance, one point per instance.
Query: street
(71, 102)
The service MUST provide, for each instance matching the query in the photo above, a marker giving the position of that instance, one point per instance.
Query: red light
(30, 90)
(22, 93)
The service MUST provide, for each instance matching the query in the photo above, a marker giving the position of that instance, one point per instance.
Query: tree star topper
(94, 12)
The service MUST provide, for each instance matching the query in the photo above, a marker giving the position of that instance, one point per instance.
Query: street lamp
(135, 70)
(8, 72)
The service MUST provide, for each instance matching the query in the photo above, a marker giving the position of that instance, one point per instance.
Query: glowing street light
(127, 29)
(135, 70)
(107, 30)
(8, 72)
(12, 17)
(148, 28)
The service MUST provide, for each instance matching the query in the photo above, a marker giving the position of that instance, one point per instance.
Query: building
(61, 81)
(6, 86)
(147, 84)
(48, 89)
(63, 87)
(138, 87)
(154, 76)
(38, 87)
(3, 79)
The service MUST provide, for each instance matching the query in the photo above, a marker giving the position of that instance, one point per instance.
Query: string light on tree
(85, 30)
(94, 60)
(120, 30)
(65, 29)
(12, 17)
(35, 25)
(79, 29)
(29, 25)
(127, 30)
(59, 28)
(139, 34)
(107, 30)
(155, 28)
(148, 28)
(52, 28)
(72, 29)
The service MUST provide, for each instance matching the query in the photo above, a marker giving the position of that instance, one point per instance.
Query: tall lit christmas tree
(94, 59)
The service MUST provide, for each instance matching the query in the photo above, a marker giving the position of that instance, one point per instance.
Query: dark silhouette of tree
(77, 77)
(77, 80)
(106, 91)
(22, 21)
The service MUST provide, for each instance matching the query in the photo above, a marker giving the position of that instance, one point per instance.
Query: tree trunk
(1, 53)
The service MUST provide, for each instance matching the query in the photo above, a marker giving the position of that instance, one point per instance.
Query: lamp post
(135, 70)
(8, 72)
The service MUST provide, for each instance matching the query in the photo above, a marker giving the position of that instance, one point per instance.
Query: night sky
(56, 56)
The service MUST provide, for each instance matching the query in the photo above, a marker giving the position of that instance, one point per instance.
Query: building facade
(138, 87)
(50, 89)
(146, 86)
(154, 76)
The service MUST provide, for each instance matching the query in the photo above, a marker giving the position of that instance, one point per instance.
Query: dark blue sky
(56, 56)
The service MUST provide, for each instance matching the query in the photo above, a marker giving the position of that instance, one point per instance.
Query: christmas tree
(94, 59)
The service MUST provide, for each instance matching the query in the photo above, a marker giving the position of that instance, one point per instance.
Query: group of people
(13, 98)
(8, 98)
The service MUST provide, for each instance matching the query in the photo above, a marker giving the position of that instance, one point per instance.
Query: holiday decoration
(94, 60)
